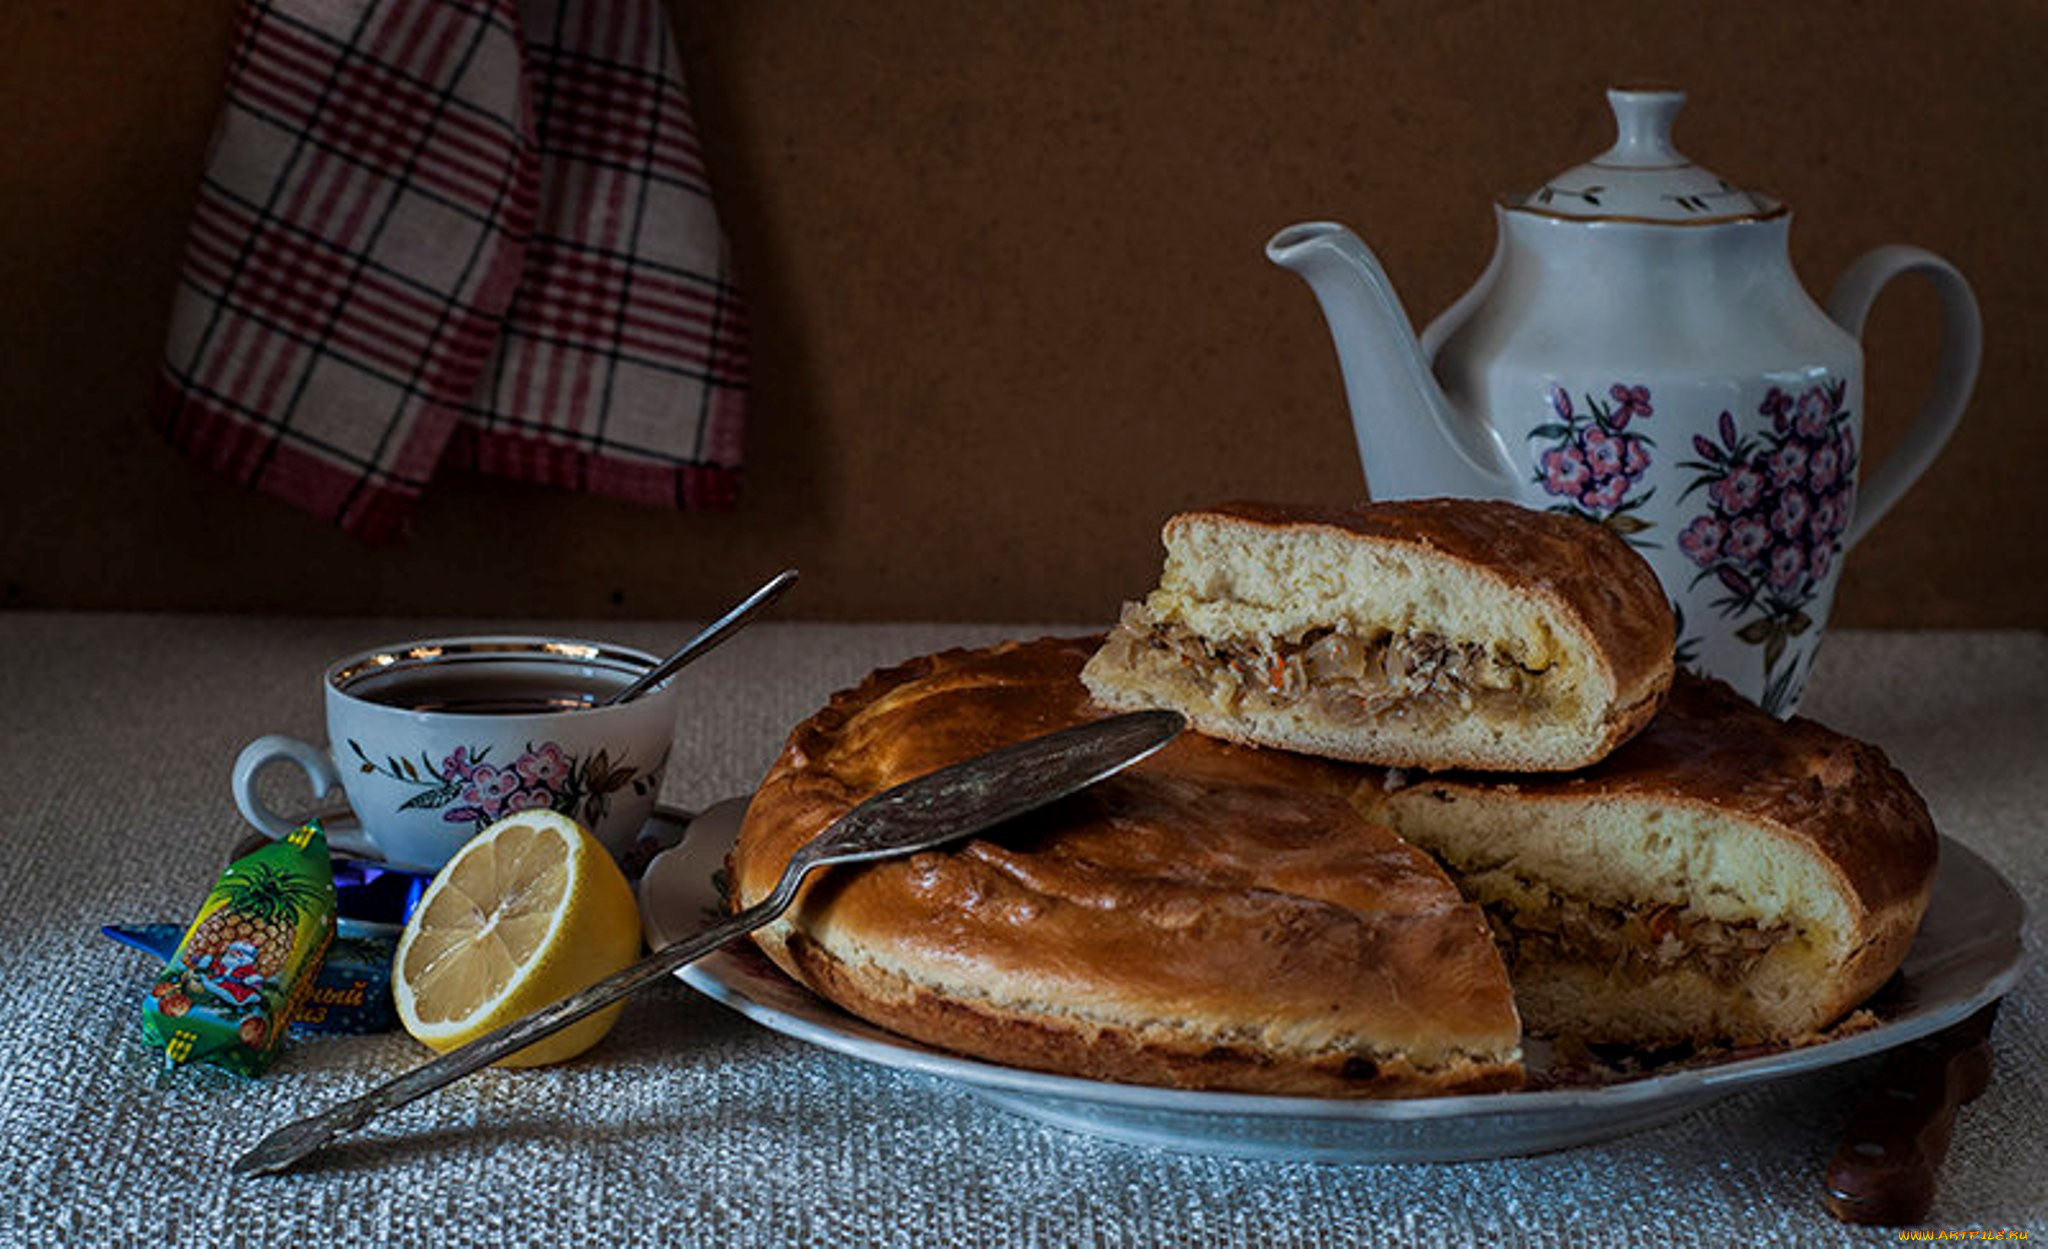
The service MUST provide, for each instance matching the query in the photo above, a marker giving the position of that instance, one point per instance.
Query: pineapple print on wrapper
(228, 994)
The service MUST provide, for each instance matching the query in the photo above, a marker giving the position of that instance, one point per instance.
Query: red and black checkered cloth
(467, 231)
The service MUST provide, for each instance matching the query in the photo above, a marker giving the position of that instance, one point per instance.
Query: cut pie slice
(1435, 633)
(1724, 878)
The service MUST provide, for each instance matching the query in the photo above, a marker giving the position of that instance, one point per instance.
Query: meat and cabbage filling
(1351, 679)
(1629, 942)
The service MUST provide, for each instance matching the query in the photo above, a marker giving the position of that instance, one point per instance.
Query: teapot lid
(1642, 178)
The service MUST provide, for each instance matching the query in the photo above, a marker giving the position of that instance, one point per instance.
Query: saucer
(375, 896)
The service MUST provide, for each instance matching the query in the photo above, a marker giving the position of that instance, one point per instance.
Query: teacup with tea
(434, 740)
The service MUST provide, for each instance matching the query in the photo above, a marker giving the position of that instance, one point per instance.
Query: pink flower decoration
(1738, 491)
(529, 800)
(457, 764)
(1590, 463)
(1790, 516)
(1564, 470)
(546, 767)
(1822, 560)
(1701, 540)
(1747, 539)
(1788, 566)
(488, 789)
(1824, 465)
(1815, 411)
(1787, 465)
(1630, 402)
(1827, 519)
(1606, 494)
(1603, 454)
(1775, 405)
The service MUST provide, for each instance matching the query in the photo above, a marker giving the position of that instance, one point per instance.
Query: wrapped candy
(251, 955)
(350, 996)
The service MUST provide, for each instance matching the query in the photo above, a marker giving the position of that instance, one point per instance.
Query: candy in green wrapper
(351, 995)
(229, 993)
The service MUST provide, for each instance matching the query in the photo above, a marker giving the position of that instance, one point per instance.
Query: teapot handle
(1962, 346)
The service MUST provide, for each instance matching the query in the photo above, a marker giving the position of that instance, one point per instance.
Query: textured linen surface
(692, 1126)
(467, 231)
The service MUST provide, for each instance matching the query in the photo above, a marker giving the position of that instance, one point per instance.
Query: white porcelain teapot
(1640, 353)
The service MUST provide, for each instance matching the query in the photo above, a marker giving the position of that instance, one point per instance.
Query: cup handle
(313, 760)
(1962, 347)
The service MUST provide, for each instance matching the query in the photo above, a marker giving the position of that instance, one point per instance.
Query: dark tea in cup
(433, 741)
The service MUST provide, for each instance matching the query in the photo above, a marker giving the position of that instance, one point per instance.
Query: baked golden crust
(1214, 917)
(1432, 633)
(1717, 816)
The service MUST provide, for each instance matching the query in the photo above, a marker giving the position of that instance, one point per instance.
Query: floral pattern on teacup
(1778, 503)
(1593, 462)
(467, 788)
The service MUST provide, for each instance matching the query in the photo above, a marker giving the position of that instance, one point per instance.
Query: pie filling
(1347, 679)
(1630, 943)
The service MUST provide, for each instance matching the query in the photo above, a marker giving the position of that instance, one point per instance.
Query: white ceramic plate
(1968, 953)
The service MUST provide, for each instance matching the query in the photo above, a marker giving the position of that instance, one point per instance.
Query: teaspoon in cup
(722, 628)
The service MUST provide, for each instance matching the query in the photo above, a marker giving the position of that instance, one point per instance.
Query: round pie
(1215, 917)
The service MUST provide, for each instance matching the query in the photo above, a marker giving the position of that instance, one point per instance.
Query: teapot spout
(1411, 441)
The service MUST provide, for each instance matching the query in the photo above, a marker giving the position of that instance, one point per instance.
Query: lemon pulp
(531, 910)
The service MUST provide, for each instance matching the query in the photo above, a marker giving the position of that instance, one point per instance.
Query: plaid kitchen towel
(469, 231)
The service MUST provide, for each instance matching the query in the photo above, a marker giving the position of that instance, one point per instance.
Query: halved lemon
(529, 911)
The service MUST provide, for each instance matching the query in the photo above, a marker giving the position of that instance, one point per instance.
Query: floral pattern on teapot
(1593, 462)
(1777, 504)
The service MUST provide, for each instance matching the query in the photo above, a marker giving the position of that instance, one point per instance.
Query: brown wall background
(1011, 309)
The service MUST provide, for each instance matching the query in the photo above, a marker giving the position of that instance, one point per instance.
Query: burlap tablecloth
(690, 1125)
